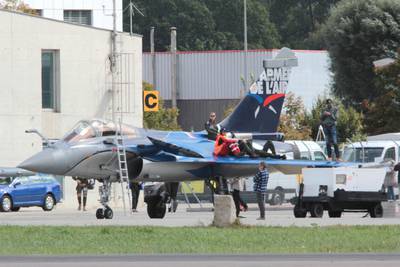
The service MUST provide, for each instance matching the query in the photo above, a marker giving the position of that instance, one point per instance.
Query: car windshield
(5, 180)
(355, 154)
(84, 130)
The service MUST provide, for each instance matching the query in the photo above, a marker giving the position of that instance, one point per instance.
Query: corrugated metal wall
(217, 74)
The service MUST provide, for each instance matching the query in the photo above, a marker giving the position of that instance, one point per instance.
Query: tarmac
(275, 216)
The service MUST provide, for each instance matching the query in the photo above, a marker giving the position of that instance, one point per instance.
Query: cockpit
(84, 130)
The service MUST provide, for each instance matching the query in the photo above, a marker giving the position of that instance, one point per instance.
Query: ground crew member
(260, 187)
(135, 191)
(81, 191)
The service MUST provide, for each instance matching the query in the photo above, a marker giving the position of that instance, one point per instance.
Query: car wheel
(6, 204)
(15, 208)
(49, 202)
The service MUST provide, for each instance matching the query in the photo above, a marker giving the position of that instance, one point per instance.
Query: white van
(283, 187)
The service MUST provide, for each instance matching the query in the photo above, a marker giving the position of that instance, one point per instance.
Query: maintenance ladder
(123, 166)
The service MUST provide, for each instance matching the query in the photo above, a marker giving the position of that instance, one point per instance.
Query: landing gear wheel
(48, 202)
(376, 211)
(5, 204)
(335, 214)
(108, 213)
(299, 212)
(156, 210)
(100, 214)
(317, 210)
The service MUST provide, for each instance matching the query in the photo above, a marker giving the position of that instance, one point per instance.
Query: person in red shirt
(223, 145)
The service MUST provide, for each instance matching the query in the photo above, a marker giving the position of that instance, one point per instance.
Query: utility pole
(245, 48)
(153, 58)
(173, 66)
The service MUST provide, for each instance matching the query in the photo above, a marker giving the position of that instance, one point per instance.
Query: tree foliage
(349, 123)
(203, 24)
(357, 33)
(298, 21)
(164, 119)
(17, 5)
(382, 115)
(293, 119)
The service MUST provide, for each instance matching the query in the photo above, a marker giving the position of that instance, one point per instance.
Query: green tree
(17, 5)
(203, 24)
(357, 33)
(349, 123)
(293, 121)
(164, 119)
(382, 115)
(298, 21)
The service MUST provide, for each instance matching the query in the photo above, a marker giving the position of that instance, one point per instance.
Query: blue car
(27, 191)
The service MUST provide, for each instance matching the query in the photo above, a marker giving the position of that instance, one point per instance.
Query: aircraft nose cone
(46, 161)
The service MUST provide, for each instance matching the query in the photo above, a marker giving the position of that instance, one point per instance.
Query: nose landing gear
(105, 192)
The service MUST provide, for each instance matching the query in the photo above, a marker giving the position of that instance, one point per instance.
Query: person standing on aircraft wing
(212, 127)
(260, 187)
(329, 117)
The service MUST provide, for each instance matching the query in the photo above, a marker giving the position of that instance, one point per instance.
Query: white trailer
(340, 189)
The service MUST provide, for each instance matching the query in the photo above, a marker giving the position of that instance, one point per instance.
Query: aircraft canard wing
(10, 171)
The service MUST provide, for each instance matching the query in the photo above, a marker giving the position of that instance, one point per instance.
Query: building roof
(61, 21)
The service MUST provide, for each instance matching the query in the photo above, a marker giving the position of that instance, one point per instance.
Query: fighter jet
(89, 149)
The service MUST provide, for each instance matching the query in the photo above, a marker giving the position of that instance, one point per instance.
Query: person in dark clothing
(260, 187)
(81, 191)
(212, 127)
(237, 186)
(329, 117)
(135, 191)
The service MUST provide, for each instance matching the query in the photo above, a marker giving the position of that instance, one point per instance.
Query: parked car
(28, 191)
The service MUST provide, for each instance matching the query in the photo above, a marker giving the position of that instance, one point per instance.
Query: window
(318, 155)
(37, 12)
(50, 80)
(78, 16)
(390, 154)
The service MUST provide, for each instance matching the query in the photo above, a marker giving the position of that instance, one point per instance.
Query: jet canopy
(84, 130)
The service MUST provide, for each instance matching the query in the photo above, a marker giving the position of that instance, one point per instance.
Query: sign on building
(150, 100)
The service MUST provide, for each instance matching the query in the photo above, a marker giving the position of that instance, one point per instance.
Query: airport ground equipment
(339, 190)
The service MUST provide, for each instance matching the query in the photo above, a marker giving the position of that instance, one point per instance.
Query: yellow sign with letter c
(150, 100)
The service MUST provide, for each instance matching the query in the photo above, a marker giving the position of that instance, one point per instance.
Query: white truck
(340, 189)
(375, 150)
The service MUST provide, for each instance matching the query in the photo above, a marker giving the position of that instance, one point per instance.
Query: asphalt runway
(297, 260)
(276, 216)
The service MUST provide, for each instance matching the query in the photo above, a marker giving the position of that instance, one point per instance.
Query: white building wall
(84, 86)
(84, 77)
(101, 17)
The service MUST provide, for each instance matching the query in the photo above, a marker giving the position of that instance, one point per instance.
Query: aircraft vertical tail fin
(260, 109)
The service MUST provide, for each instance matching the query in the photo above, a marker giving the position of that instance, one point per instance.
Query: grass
(19, 240)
